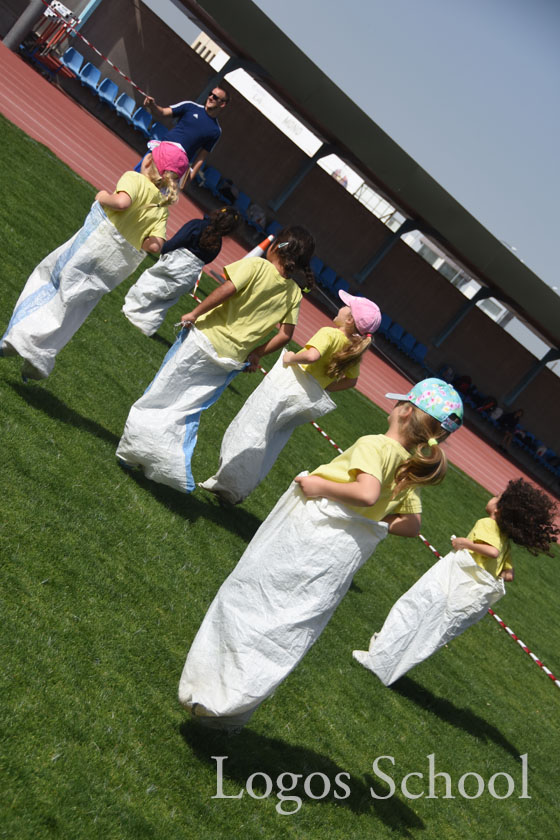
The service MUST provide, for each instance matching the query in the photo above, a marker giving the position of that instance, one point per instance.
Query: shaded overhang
(245, 32)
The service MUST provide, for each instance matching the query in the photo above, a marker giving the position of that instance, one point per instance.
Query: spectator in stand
(447, 373)
(510, 424)
(487, 404)
(257, 215)
(462, 383)
(228, 190)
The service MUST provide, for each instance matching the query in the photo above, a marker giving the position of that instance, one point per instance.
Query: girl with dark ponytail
(221, 336)
(294, 392)
(183, 257)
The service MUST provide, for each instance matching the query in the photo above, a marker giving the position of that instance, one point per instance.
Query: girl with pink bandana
(119, 230)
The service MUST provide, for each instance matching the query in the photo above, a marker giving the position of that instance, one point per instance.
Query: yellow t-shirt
(142, 218)
(328, 341)
(487, 531)
(379, 456)
(263, 299)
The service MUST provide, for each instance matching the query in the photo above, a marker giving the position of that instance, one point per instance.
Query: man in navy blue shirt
(197, 130)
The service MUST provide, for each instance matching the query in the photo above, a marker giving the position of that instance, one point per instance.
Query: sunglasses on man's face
(216, 97)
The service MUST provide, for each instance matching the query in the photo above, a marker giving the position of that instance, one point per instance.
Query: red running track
(96, 154)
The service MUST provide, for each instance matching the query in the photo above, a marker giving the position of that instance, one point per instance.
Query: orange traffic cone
(260, 249)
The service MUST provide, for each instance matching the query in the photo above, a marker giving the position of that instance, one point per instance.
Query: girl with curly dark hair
(457, 591)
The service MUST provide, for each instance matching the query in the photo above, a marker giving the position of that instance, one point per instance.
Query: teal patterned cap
(438, 399)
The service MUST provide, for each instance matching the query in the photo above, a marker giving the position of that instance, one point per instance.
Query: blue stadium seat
(142, 120)
(242, 203)
(395, 333)
(89, 76)
(406, 343)
(107, 91)
(315, 264)
(386, 322)
(341, 285)
(274, 227)
(327, 277)
(72, 59)
(419, 353)
(158, 131)
(212, 178)
(124, 106)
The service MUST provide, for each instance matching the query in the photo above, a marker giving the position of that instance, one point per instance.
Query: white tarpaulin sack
(453, 594)
(65, 287)
(274, 605)
(286, 398)
(160, 287)
(161, 429)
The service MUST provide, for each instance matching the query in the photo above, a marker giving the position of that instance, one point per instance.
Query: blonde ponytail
(341, 361)
(169, 188)
(428, 462)
(167, 184)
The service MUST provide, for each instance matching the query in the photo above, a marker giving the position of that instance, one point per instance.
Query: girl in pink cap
(119, 230)
(296, 391)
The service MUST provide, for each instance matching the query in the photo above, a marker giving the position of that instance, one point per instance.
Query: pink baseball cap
(365, 313)
(171, 157)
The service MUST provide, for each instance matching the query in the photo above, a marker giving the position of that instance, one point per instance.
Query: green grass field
(107, 576)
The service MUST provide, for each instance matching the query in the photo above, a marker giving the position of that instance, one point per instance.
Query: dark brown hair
(224, 220)
(295, 246)
(526, 515)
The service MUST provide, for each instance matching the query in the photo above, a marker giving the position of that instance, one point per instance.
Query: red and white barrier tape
(524, 647)
(72, 28)
(325, 435)
(428, 545)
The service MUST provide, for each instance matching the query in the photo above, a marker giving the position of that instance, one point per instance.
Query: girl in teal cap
(301, 561)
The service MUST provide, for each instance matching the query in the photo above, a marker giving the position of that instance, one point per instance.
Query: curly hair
(526, 515)
(224, 220)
